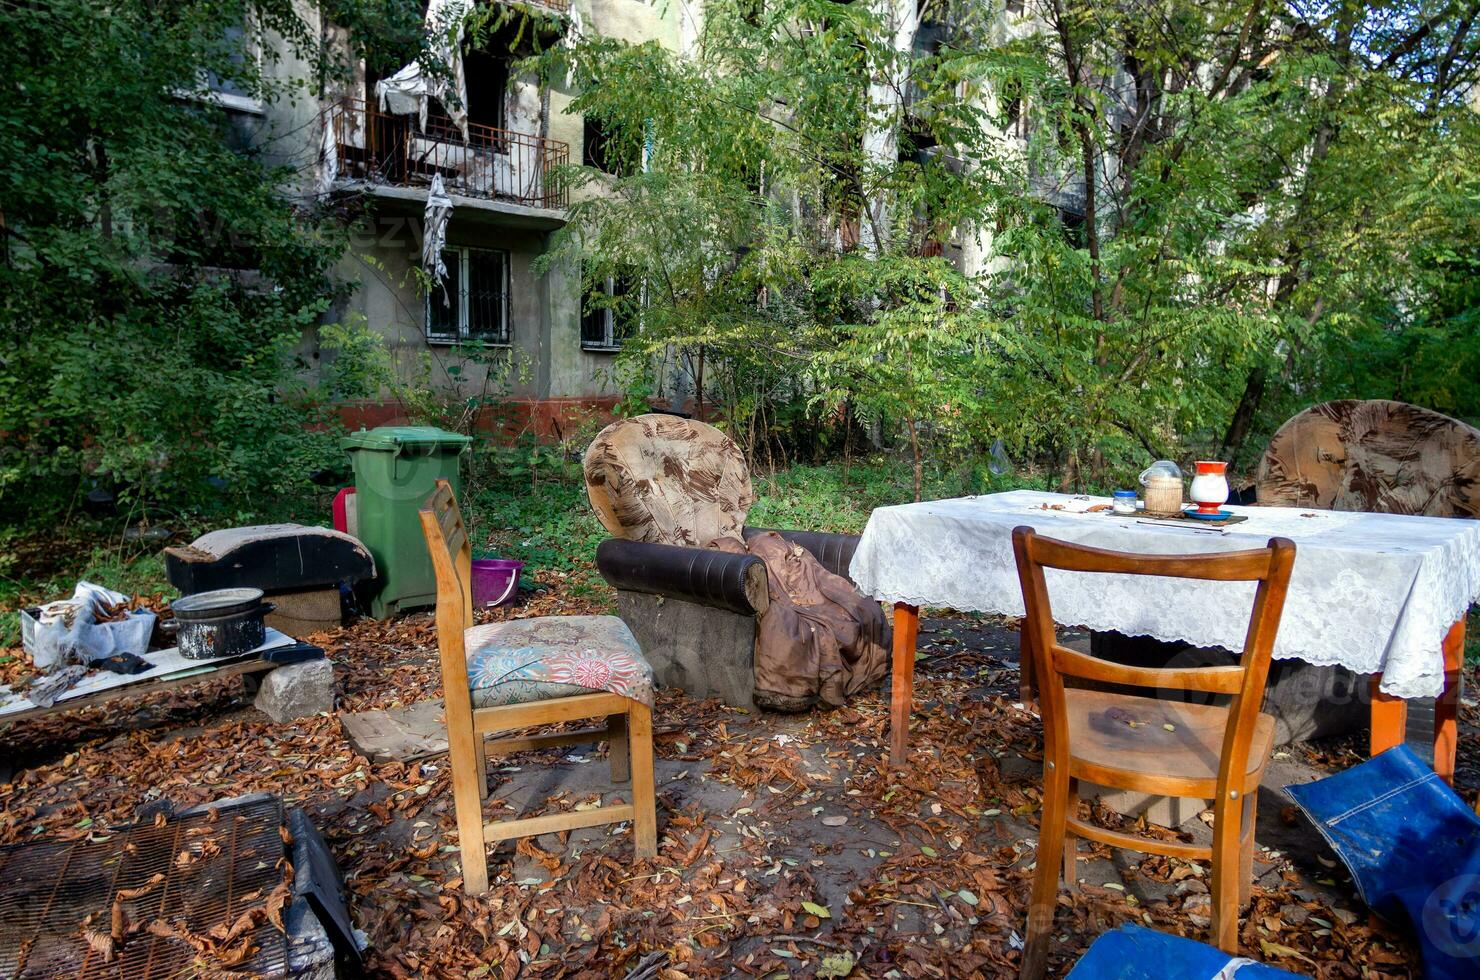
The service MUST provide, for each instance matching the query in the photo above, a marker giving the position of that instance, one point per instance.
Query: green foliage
(1208, 215)
(155, 277)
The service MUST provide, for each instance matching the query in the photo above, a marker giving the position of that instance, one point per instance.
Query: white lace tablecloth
(1371, 592)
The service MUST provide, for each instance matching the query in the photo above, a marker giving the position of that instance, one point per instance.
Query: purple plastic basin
(495, 581)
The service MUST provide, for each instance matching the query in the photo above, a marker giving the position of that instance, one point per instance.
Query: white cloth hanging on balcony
(329, 153)
(408, 90)
(434, 237)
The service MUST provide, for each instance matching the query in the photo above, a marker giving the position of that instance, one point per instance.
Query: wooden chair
(1145, 744)
(600, 641)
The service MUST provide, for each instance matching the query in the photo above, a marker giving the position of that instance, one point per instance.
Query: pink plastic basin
(495, 581)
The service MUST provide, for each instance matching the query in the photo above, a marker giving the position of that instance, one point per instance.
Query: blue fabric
(1136, 953)
(1413, 848)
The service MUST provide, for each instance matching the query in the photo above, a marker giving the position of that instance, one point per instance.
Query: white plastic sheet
(434, 238)
(68, 630)
(407, 90)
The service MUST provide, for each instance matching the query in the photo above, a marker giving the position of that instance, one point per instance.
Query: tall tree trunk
(1243, 414)
(919, 462)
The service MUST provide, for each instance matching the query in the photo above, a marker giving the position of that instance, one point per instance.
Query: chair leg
(1246, 854)
(482, 758)
(644, 799)
(464, 751)
(1227, 827)
(1071, 843)
(1051, 832)
(618, 752)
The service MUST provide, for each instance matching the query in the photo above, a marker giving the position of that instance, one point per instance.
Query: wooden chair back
(1243, 682)
(452, 562)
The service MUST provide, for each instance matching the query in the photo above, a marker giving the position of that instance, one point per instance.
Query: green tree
(1173, 207)
(155, 274)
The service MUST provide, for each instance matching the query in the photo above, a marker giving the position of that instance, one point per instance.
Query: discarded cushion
(1413, 848)
(1375, 456)
(1136, 953)
(668, 480)
(523, 660)
(271, 557)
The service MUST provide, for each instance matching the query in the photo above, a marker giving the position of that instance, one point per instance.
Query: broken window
(606, 152)
(472, 304)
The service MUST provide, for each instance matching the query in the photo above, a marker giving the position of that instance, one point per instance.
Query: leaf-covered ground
(787, 845)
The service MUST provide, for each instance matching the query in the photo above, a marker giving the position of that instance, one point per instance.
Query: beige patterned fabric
(668, 480)
(1373, 456)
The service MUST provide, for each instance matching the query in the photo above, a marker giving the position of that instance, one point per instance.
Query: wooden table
(962, 538)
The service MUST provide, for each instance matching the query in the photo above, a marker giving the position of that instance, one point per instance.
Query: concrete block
(706, 652)
(297, 690)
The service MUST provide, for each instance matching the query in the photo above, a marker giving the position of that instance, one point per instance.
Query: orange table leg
(1389, 719)
(1446, 706)
(902, 689)
(1027, 680)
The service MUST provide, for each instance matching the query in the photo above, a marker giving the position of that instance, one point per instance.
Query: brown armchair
(667, 488)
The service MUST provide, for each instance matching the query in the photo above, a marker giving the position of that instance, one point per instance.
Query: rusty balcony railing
(495, 164)
(555, 6)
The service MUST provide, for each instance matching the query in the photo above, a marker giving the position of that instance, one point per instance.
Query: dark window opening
(487, 79)
(236, 46)
(607, 315)
(606, 153)
(1072, 223)
(488, 89)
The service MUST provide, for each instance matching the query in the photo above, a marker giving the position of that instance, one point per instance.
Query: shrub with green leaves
(154, 277)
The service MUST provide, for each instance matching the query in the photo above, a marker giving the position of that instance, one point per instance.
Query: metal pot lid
(218, 602)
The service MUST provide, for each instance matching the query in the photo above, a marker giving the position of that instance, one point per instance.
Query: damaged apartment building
(378, 147)
(467, 155)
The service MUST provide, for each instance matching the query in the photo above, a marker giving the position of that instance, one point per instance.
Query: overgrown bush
(154, 276)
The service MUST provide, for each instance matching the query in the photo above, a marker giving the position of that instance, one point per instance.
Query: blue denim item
(1135, 953)
(1413, 848)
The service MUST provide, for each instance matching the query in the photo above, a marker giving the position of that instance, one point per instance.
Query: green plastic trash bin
(396, 469)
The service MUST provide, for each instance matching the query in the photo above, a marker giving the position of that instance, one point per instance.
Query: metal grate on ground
(216, 866)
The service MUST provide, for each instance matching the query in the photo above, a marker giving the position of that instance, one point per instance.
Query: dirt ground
(787, 846)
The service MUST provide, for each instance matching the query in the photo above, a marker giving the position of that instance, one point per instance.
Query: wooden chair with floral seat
(522, 673)
(1150, 744)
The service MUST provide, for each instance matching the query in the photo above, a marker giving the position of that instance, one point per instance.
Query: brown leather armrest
(833, 552)
(707, 576)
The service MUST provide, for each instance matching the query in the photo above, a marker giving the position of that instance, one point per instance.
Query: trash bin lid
(389, 438)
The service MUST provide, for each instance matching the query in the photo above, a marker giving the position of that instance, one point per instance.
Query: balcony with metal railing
(561, 7)
(381, 149)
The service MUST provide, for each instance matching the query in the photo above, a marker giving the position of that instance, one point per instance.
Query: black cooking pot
(219, 623)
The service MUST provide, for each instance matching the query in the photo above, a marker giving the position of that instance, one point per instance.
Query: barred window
(473, 302)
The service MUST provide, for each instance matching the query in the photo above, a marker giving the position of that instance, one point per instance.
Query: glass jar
(1163, 487)
(1124, 503)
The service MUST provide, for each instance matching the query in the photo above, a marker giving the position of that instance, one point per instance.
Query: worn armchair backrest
(668, 480)
(452, 561)
(1376, 456)
(1244, 682)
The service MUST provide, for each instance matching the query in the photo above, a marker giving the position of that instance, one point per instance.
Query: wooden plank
(419, 731)
(1389, 719)
(1446, 706)
(511, 716)
(153, 686)
(525, 743)
(555, 822)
